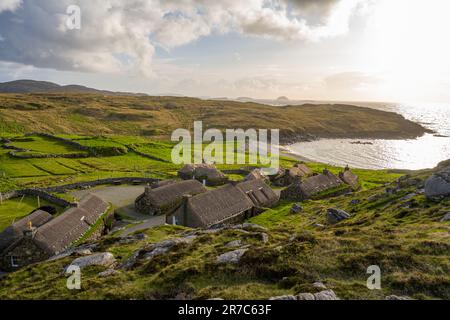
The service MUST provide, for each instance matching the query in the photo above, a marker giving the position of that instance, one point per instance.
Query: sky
(360, 50)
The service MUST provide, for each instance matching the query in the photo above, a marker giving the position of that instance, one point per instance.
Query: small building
(256, 174)
(15, 231)
(259, 193)
(224, 205)
(312, 186)
(288, 176)
(165, 199)
(207, 173)
(38, 243)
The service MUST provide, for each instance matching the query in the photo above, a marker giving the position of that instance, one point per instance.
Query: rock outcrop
(336, 215)
(438, 185)
(104, 259)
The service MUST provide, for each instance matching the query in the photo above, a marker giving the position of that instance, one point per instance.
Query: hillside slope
(284, 253)
(145, 115)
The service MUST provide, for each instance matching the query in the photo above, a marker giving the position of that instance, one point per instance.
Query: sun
(408, 46)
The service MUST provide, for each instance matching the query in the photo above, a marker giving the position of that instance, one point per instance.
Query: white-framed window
(14, 261)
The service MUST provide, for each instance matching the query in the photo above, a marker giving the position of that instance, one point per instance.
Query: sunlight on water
(424, 152)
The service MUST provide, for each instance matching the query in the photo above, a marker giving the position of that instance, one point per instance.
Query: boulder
(305, 296)
(286, 297)
(319, 285)
(104, 259)
(264, 237)
(108, 273)
(446, 217)
(355, 202)
(326, 295)
(232, 256)
(235, 243)
(438, 185)
(394, 297)
(296, 208)
(336, 215)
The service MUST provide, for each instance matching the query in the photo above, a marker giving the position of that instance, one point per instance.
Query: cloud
(9, 5)
(121, 35)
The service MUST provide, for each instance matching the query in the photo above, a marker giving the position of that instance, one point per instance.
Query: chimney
(30, 232)
(184, 205)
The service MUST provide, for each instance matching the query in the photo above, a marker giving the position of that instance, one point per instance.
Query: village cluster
(202, 197)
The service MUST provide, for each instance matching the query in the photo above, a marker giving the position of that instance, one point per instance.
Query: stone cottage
(259, 193)
(224, 205)
(312, 186)
(285, 177)
(203, 172)
(167, 198)
(15, 231)
(38, 243)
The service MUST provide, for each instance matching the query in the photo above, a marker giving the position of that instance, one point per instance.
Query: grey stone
(305, 296)
(253, 226)
(394, 297)
(438, 185)
(286, 297)
(107, 273)
(354, 202)
(319, 285)
(232, 256)
(318, 225)
(235, 243)
(446, 217)
(336, 215)
(326, 295)
(105, 259)
(296, 208)
(264, 237)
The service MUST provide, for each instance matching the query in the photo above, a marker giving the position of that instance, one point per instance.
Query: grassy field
(15, 209)
(403, 235)
(85, 114)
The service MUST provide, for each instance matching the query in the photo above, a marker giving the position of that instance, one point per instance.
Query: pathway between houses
(122, 197)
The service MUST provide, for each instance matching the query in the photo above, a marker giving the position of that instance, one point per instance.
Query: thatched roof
(15, 231)
(319, 183)
(300, 170)
(259, 193)
(256, 174)
(202, 171)
(172, 193)
(58, 234)
(218, 205)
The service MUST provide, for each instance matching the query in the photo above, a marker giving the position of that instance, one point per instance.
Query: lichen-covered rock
(296, 208)
(446, 217)
(336, 215)
(104, 259)
(305, 296)
(232, 256)
(319, 285)
(264, 237)
(108, 273)
(326, 295)
(286, 297)
(234, 243)
(438, 185)
(394, 297)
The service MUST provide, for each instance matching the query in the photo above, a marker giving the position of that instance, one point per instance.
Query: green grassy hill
(158, 116)
(400, 232)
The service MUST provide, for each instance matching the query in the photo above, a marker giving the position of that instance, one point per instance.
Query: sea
(413, 154)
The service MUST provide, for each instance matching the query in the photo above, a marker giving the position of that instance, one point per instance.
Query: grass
(15, 209)
(42, 145)
(86, 114)
(410, 245)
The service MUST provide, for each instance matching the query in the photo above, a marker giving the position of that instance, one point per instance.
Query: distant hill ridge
(33, 86)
